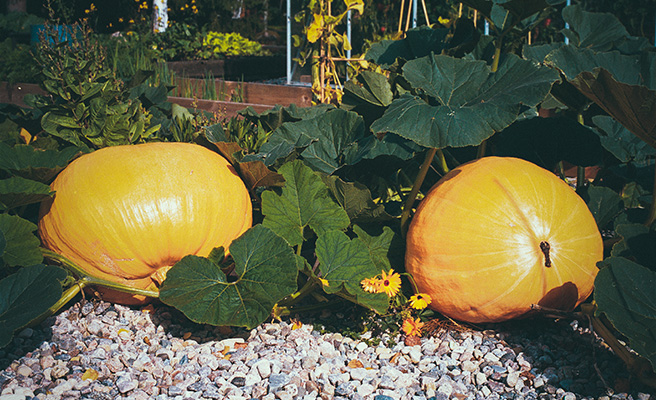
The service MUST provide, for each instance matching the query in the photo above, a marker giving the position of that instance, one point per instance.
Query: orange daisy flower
(412, 327)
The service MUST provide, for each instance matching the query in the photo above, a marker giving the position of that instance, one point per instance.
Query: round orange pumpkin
(126, 214)
(499, 234)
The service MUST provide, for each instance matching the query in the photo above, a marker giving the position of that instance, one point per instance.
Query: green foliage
(329, 183)
(626, 295)
(217, 45)
(304, 202)
(21, 245)
(87, 105)
(17, 63)
(17, 294)
(264, 273)
(17, 192)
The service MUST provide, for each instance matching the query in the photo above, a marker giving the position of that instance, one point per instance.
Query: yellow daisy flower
(412, 327)
(420, 301)
(390, 283)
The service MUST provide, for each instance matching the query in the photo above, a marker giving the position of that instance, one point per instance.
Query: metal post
(569, 3)
(414, 13)
(289, 42)
(486, 29)
(348, 36)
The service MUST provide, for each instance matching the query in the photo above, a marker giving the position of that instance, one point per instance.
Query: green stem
(580, 178)
(580, 171)
(561, 170)
(88, 280)
(67, 296)
(480, 153)
(410, 200)
(309, 286)
(286, 310)
(637, 365)
(652, 209)
(497, 55)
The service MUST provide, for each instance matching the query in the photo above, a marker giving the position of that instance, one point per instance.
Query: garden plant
(334, 187)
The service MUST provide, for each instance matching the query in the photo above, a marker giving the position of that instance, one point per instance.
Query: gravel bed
(96, 350)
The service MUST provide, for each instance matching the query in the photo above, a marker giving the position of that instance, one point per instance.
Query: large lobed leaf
(39, 165)
(633, 106)
(618, 140)
(26, 295)
(21, 246)
(473, 102)
(637, 243)
(344, 263)
(548, 141)
(355, 199)
(626, 293)
(16, 192)
(419, 42)
(266, 269)
(326, 142)
(597, 31)
(303, 202)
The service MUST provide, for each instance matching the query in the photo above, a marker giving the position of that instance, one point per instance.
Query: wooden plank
(230, 108)
(14, 93)
(249, 68)
(260, 97)
(249, 92)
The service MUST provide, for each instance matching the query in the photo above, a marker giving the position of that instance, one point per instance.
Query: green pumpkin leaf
(303, 202)
(637, 244)
(368, 88)
(39, 165)
(618, 140)
(625, 292)
(18, 293)
(266, 272)
(419, 42)
(633, 194)
(548, 141)
(22, 247)
(386, 250)
(604, 204)
(3, 245)
(344, 263)
(539, 52)
(596, 31)
(16, 192)
(355, 199)
(633, 106)
(572, 61)
(473, 103)
(326, 142)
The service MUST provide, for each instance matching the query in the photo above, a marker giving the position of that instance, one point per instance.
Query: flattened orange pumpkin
(128, 213)
(497, 235)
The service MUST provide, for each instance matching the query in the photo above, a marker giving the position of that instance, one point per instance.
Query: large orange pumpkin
(497, 235)
(128, 213)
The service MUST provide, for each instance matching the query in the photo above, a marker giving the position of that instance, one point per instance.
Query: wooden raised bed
(14, 93)
(250, 68)
(257, 95)
(246, 92)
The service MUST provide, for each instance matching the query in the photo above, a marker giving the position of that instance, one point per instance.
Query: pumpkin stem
(545, 247)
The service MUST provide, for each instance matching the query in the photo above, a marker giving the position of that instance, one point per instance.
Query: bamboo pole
(423, 4)
(407, 20)
(401, 15)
